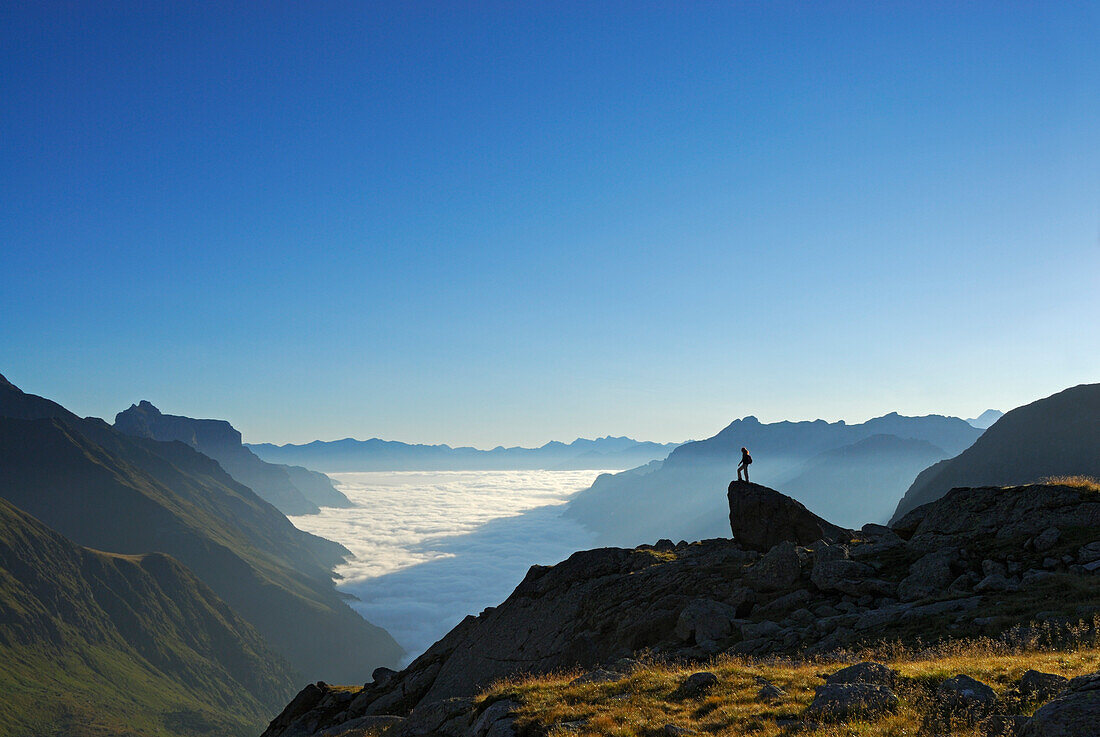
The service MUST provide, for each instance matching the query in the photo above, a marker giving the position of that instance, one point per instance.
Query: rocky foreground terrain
(976, 563)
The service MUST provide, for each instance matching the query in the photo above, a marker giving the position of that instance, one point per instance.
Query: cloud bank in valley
(430, 548)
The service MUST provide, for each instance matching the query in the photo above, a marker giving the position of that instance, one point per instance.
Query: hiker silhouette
(746, 459)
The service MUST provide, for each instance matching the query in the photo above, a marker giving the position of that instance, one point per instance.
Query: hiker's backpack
(748, 460)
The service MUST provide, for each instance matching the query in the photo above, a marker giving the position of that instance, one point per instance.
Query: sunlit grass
(1088, 483)
(641, 703)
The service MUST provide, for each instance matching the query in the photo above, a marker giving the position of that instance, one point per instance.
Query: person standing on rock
(746, 459)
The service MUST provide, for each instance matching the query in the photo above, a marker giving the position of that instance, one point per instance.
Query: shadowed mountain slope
(98, 643)
(130, 495)
(862, 482)
(292, 489)
(682, 497)
(1059, 435)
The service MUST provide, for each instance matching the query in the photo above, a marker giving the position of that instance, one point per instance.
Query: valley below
(428, 548)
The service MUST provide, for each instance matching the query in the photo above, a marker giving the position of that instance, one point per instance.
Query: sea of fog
(428, 548)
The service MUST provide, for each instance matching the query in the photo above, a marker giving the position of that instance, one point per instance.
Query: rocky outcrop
(998, 512)
(690, 601)
(1074, 714)
(291, 489)
(760, 518)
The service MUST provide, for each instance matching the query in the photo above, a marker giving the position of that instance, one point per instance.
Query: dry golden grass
(640, 703)
(1079, 482)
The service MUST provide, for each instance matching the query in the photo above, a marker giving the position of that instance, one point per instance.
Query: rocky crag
(291, 489)
(976, 562)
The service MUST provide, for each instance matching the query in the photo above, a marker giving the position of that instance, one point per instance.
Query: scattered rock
(929, 575)
(866, 672)
(450, 717)
(769, 692)
(1047, 539)
(780, 568)
(996, 582)
(496, 712)
(695, 685)
(966, 695)
(1076, 713)
(1000, 725)
(842, 701)
(599, 675)
(705, 621)
(1037, 686)
(846, 576)
(362, 725)
(672, 730)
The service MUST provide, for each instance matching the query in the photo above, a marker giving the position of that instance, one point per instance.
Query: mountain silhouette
(681, 497)
(292, 489)
(1055, 436)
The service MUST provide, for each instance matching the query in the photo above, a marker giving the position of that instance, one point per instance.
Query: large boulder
(1074, 714)
(779, 568)
(929, 575)
(842, 701)
(761, 518)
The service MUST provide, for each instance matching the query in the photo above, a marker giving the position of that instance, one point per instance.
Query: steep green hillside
(112, 492)
(95, 643)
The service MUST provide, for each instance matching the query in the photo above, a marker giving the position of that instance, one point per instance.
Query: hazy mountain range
(390, 455)
(849, 473)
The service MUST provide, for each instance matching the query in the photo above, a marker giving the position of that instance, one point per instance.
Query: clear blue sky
(504, 223)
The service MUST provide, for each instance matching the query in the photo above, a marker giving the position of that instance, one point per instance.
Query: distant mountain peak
(986, 419)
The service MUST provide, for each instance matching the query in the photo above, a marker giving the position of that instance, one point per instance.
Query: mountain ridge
(292, 489)
(1053, 436)
(130, 495)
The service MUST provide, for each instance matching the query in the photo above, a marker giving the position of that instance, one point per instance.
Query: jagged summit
(292, 489)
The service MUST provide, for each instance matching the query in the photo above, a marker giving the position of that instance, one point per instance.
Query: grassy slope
(94, 643)
(130, 495)
(640, 703)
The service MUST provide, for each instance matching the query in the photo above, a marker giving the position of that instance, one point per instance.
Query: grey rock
(965, 694)
(785, 603)
(847, 576)
(761, 517)
(1088, 553)
(779, 568)
(929, 575)
(495, 712)
(993, 568)
(705, 620)
(1000, 725)
(447, 716)
(1047, 539)
(996, 582)
(599, 675)
(672, 730)
(1076, 713)
(865, 672)
(361, 725)
(1038, 686)
(769, 692)
(756, 630)
(842, 701)
(695, 685)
